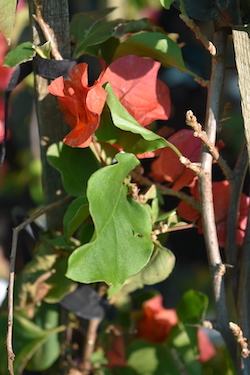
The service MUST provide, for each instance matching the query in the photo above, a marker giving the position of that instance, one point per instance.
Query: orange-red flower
(81, 105)
(157, 322)
(168, 167)
(221, 191)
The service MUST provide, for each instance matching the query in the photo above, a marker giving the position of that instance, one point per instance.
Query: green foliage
(21, 53)
(131, 136)
(76, 213)
(32, 341)
(7, 17)
(155, 45)
(75, 164)
(150, 359)
(121, 245)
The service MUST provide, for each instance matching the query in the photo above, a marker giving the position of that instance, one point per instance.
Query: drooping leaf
(21, 53)
(7, 17)
(75, 164)
(155, 45)
(121, 245)
(137, 139)
(151, 359)
(76, 213)
(156, 270)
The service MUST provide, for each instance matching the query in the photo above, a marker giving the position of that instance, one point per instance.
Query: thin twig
(47, 31)
(16, 231)
(164, 190)
(192, 26)
(205, 185)
(191, 121)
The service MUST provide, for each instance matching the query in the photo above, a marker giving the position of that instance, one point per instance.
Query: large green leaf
(75, 164)
(155, 45)
(7, 17)
(151, 359)
(128, 133)
(23, 52)
(121, 245)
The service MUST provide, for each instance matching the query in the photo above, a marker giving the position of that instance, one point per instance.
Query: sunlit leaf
(7, 17)
(166, 3)
(23, 52)
(121, 245)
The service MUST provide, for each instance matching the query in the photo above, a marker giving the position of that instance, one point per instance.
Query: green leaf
(7, 17)
(184, 342)
(156, 270)
(75, 215)
(155, 45)
(23, 52)
(192, 307)
(121, 245)
(44, 50)
(166, 3)
(75, 164)
(150, 359)
(130, 135)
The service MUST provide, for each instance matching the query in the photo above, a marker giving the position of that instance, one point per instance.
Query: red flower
(157, 322)
(134, 82)
(221, 191)
(168, 167)
(81, 105)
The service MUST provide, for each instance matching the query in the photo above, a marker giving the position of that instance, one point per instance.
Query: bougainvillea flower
(221, 192)
(168, 166)
(156, 323)
(81, 105)
(134, 82)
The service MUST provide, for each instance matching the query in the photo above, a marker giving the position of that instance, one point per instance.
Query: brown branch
(16, 231)
(89, 345)
(47, 31)
(191, 121)
(205, 186)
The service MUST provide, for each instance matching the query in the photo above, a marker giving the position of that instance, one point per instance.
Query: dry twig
(241, 340)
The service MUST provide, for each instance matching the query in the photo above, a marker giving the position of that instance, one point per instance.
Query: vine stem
(16, 231)
(217, 268)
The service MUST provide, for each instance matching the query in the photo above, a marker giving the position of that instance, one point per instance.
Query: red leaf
(134, 82)
(81, 105)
